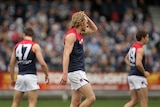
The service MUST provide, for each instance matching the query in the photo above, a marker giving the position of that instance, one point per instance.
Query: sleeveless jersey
(132, 58)
(76, 61)
(25, 57)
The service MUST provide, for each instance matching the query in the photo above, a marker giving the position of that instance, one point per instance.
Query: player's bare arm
(126, 59)
(91, 26)
(139, 56)
(37, 50)
(12, 65)
(69, 43)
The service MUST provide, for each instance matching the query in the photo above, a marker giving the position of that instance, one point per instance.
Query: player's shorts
(137, 82)
(77, 79)
(27, 82)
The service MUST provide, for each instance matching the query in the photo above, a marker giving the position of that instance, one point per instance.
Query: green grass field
(98, 103)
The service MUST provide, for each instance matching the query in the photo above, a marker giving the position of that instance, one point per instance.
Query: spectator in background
(111, 32)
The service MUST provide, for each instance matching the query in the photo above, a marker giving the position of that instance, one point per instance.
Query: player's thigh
(33, 95)
(87, 90)
(76, 96)
(17, 96)
(134, 95)
(143, 93)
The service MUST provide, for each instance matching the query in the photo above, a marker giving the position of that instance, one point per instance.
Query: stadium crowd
(117, 21)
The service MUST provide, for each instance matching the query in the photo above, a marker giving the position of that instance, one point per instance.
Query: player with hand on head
(135, 58)
(73, 60)
(25, 54)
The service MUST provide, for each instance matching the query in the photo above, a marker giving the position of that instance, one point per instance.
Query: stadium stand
(117, 21)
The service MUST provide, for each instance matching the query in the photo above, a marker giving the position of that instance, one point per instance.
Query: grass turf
(60, 103)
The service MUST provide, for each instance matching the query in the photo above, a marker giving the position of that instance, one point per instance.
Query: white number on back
(20, 54)
(132, 56)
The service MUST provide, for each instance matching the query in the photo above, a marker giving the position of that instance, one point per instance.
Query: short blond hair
(77, 19)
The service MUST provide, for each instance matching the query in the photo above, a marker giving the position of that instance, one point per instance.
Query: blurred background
(117, 21)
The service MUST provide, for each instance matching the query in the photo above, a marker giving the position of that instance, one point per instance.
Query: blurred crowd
(117, 21)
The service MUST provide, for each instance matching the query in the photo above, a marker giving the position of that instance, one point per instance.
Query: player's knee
(92, 99)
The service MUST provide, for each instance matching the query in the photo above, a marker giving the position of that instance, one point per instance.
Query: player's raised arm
(91, 26)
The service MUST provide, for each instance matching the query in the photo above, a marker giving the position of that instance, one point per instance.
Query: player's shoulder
(36, 46)
(137, 45)
(71, 30)
(71, 33)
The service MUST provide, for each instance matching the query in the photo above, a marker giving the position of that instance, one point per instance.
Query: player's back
(132, 58)
(25, 57)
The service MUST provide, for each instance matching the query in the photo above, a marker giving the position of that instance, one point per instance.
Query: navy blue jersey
(132, 58)
(25, 57)
(76, 61)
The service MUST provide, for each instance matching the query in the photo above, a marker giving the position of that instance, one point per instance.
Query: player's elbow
(95, 29)
(138, 64)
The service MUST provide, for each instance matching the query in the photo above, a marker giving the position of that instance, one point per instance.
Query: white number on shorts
(132, 56)
(20, 54)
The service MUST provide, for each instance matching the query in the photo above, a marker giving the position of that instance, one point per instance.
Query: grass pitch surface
(60, 103)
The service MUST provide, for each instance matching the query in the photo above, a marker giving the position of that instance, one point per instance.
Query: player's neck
(78, 30)
(28, 38)
(140, 42)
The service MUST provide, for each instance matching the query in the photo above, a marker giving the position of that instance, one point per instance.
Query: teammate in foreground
(25, 54)
(73, 60)
(137, 75)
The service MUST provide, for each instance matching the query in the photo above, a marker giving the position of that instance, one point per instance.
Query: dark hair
(28, 31)
(141, 34)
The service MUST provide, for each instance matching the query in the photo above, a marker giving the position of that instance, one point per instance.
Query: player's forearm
(65, 68)
(126, 60)
(12, 75)
(92, 25)
(11, 70)
(140, 68)
(65, 63)
(45, 69)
